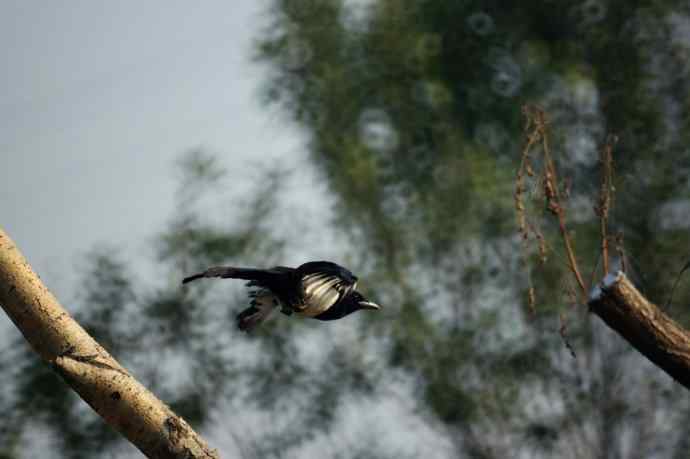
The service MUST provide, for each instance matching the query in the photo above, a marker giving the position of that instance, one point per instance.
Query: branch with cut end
(94, 374)
(646, 327)
(615, 300)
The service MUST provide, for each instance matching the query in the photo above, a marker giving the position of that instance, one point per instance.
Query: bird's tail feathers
(229, 272)
(192, 278)
(263, 304)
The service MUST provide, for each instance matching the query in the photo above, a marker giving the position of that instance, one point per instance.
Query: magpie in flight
(319, 289)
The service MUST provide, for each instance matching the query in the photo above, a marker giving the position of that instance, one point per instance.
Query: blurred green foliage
(413, 112)
(414, 115)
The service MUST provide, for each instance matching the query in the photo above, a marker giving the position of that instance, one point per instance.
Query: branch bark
(94, 374)
(646, 327)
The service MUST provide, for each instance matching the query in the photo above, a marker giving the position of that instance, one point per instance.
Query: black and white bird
(319, 289)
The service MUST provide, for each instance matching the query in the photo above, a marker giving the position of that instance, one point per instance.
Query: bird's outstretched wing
(323, 284)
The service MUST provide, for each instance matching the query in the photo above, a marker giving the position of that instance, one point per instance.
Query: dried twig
(563, 331)
(675, 284)
(605, 198)
(554, 205)
(618, 241)
(524, 228)
(537, 133)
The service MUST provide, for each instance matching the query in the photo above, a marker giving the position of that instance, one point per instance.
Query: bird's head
(359, 302)
(353, 301)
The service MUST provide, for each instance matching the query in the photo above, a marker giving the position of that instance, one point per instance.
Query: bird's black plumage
(322, 290)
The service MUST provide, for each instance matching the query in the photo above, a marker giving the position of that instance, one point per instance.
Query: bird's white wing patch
(321, 291)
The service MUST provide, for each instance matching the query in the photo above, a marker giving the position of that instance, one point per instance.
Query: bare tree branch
(646, 327)
(94, 374)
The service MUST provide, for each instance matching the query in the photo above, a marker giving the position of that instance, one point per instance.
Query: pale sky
(98, 99)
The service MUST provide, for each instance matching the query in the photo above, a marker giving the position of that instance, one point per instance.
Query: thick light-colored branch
(646, 327)
(88, 368)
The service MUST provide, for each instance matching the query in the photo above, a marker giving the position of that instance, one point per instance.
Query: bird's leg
(284, 308)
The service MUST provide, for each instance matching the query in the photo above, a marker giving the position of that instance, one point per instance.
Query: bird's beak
(369, 305)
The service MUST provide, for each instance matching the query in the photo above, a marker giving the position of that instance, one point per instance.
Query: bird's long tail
(263, 304)
(229, 272)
